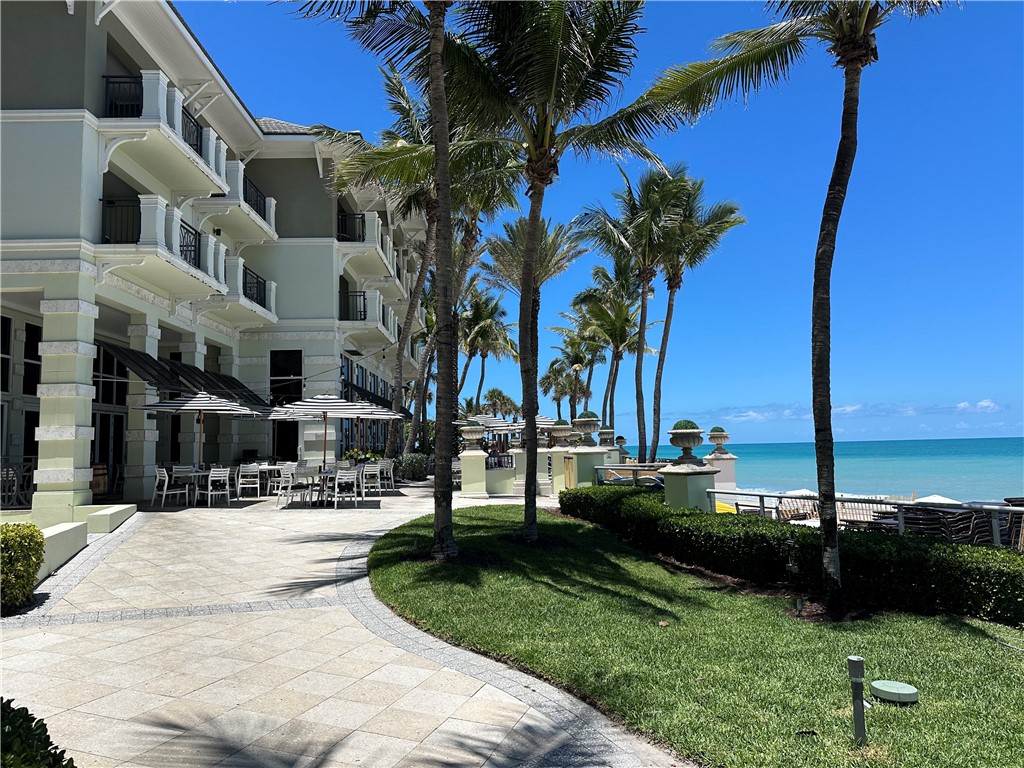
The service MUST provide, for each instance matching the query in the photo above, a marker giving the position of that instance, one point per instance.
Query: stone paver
(250, 636)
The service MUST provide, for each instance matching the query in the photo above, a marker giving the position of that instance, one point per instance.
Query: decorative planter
(686, 440)
(719, 439)
(587, 427)
(561, 432)
(472, 436)
(606, 437)
(575, 438)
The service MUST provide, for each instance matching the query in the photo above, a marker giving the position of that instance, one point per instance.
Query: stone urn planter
(560, 433)
(587, 423)
(719, 437)
(606, 437)
(575, 438)
(473, 434)
(686, 436)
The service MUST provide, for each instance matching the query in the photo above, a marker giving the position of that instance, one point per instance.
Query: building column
(229, 428)
(142, 435)
(65, 393)
(193, 352)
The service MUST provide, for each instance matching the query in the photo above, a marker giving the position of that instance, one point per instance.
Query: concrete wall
(304, 206)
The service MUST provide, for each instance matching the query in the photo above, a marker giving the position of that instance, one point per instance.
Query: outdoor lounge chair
(797, 509)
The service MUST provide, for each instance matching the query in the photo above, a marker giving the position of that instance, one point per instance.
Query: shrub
(717, 429)
(358, 454)
(587, 415)
(685, 424)
(413, 466)
(21, 555)
(561, 423)
(26, 741)
(879, 570)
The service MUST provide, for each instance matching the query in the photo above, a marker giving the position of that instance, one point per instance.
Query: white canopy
(201, 403)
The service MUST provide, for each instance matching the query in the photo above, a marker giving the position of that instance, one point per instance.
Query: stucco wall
(304, 207)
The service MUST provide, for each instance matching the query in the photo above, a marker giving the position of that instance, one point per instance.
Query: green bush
(716, 430)
(879, 570)
(413, 466)
(685, 424)
(26, 741)
(21, 554)
(587, 415)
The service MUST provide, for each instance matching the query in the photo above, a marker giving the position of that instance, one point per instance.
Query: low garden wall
(879, 570)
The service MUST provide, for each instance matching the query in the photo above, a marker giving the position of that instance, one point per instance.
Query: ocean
(975, 469)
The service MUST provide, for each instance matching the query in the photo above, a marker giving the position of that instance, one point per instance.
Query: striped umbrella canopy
(333, 407)
(201, 403)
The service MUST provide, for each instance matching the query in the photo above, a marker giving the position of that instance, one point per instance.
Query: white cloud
(846, 410)
(982, 406)
(748, 416)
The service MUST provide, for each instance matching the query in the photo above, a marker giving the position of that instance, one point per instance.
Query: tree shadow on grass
(579, 562)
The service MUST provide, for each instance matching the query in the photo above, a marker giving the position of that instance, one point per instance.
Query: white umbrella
(936, 499)
(334, 407)
(201, 403)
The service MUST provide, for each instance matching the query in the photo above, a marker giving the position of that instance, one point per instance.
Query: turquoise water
(967, 470)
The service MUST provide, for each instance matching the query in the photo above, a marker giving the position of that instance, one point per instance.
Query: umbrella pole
(323, 463)
(200, 440)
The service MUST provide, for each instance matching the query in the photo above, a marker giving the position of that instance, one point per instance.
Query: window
(285, 376)
(110, 377)
(33, 362)
(360, 376)
(5, 354)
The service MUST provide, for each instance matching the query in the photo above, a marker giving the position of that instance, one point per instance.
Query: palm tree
(614, 321)
(486, 334)
(752, 59)
(557, 384)
(531, 73)
(703, 228)
(644, 229)
(497, 403)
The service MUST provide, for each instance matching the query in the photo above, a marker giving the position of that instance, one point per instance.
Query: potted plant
(686, 435)
(587, 423)
(473, 433)
(719, 437)
(560, 432)
(606, 436)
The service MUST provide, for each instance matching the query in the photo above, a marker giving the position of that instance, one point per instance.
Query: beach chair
(797, 509)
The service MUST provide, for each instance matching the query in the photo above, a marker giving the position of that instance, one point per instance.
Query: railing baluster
(122, 96)
(121, 221)
(188, 248)
(191, 131)
(254, 197)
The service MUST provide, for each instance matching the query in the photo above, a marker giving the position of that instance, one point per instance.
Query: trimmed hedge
(26, 741)
(413, 466)
(21, 554)
(879, 570)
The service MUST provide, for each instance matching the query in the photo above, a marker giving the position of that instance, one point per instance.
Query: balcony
(251, 299)
(245, 212)
(146, 124)
(366, 318)
(366, 250)
(145, 240)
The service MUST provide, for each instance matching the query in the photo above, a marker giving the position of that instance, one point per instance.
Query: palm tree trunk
(607, 390)
(590, 380)
(558, 410)
(465, 373)
(422, 385)
(611, 396)
(424, 421)
(528, 355)
(480, 386)
(641, 421)
(447, 345)
(821, 342)
(406, 332)
(662, 353)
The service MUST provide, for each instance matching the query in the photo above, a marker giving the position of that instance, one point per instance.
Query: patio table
(193, 482)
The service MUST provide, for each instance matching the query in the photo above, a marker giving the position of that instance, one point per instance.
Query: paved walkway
(250, 637)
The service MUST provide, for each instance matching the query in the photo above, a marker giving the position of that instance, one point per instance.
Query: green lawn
(732, 680)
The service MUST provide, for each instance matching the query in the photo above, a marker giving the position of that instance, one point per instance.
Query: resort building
(156, 238)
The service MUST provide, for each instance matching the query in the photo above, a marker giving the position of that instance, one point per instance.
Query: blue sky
(928, 329)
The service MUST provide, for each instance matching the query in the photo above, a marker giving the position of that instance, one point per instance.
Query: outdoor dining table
(193, 482)
(267, 473)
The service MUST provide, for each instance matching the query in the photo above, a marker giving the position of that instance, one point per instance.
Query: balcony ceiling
(161, 156)
(157, 270)
(239, 221)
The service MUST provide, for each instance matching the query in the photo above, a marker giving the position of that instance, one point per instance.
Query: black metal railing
(122, 96)
(254, 198)
(188, 246)
(352, 305)
(191, 131)
(351, 227)
(254, 287)
(501, 461)
(121, 220)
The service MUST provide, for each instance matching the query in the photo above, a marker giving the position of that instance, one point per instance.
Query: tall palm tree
(497, 403)
(644, 228)
(702, 230)
(533, 73)
(615, 322)
(487, 334)
(752, 59)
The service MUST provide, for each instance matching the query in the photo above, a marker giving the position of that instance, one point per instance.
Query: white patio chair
(345, 482)
(216, 485)
(371, 478)
(457, 473)
(291, 486)
(164, 486)
(248, 479)
(387, 473)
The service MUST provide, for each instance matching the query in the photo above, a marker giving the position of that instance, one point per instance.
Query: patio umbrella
(334, 407)
(201, 403)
